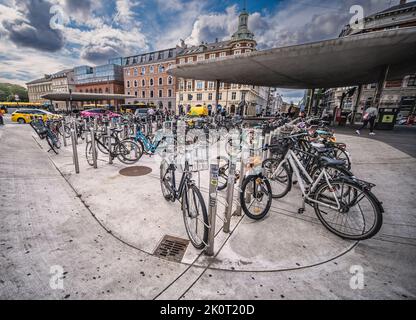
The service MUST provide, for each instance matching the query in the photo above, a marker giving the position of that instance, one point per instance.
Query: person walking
(370, 116)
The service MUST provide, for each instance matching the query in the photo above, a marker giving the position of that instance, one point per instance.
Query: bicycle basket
(280, 146)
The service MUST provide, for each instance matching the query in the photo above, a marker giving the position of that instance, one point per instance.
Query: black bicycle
(193, 206)
(127, 151)
(45, 131)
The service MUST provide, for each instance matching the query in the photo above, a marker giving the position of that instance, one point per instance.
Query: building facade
(101, 79)
(146, 79)
(400, 93)
(37, 88)
(62, 82)
(195, 92)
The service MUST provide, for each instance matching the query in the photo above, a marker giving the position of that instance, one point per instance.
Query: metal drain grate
(135, 171)
(171, 248)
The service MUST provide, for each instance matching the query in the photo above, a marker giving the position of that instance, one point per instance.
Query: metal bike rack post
(230, 196)
(85, 130)
(212, 209)
(110, 158)
(94, 150)
(267, 140)
(240, 184)
(63, 132)
(74, 150)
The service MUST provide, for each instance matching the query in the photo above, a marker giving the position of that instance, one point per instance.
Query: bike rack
(110, 158)
(94, 150)
(74, 151)
(63, 123)
(212, 209)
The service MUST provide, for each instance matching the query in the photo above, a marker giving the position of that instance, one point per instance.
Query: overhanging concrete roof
(81, 96)
(348, 61)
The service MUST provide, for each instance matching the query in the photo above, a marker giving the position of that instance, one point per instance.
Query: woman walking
(370, 117)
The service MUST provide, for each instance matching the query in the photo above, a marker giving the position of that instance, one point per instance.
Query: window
(181, 85)
(247, 50)
(190, 97)
(143, 83)
(151, 82)
(170, 93)
(209, 96)
(160, 81)
(199, 97)
(128, 84)
(220, 96)
(161, 68)
(143, 71)
(237, 52)
(200, 85)
(182, 61)
(223, 54)
(127, 72)
(135, 93)
(233, 95)
(107, 90)
(152, 69)
(135, 83)
(169, 66)
(151, 94)
(181, 97)
(190, 59)
(212, 56)
(412, 81)
(160, 93)
(200, 57)
(136, 72)
(243, 96)
(170, 80)
(211, 85)
(189, 85)
(143, 94)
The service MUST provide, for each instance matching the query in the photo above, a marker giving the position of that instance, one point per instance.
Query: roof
(144, 58)
(398, 7)
(205, 47)
(62, 73)
(340, 62)
(44, 79)
(78, 96)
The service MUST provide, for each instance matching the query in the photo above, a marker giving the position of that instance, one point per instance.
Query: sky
(39, 37)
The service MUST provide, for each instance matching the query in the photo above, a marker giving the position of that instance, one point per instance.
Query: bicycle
(193, 206)
(349, 198)
(126, 151)
(44, 131)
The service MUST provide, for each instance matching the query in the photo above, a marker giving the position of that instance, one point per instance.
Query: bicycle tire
(121, 148)
(243, 202)
(375, 204)
(51, 144)
(88, 153)
(203, 209)
(288, 183)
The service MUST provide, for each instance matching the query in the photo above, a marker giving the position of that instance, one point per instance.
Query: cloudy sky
(45, 36)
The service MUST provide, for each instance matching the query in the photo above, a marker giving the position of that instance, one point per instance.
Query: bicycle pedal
(295, 182)
(301, 210)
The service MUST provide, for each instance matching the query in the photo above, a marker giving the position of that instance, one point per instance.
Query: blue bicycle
(148, 145)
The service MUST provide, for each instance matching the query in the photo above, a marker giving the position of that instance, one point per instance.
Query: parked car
(98, 113)
(141, 113)
(27, 115)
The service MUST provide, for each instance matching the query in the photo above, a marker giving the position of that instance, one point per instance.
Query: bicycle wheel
(281, 180)
(51, 143)
(359, 216)
(256, 197)
(166, 181)
(341, 154)
(195, 216)
(128, 152)
(104, 140)
(88, 153)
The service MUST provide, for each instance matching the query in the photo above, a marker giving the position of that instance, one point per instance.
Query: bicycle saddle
(116, 129)
(332, 162)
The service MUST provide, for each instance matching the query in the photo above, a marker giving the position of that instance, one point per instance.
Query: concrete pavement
(102, 229)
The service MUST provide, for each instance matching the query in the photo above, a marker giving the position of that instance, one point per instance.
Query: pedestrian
(370, 116)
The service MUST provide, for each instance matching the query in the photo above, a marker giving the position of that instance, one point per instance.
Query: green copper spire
(243, 33)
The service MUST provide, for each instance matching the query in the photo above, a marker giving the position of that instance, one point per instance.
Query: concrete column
(310, 102)
(380, 86)
(357, 103)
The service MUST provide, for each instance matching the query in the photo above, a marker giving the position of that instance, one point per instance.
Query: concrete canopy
(340, 62)
(78, 96)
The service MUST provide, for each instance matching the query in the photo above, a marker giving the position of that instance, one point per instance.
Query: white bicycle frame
(296, 165)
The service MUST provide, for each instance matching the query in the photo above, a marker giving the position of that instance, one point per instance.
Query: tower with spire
(242, 41)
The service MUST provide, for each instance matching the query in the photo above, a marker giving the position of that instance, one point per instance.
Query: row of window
(151, 94)
(200, 96)
(41, 88)
(200, 85)
(202, 57)
(135, 71)
(107, 90)
(151, 82)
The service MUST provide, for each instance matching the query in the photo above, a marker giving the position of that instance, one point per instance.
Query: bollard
(240, 184)
(74, 151)
(110, 155)
(212, 210)
(94, 150)
(230, 196)
(85, 129)
(63, 132)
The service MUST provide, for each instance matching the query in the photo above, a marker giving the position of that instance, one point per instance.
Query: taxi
(23, 116)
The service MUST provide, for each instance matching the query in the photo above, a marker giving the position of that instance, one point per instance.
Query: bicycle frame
(301, 172)
(148, 145)
(177, 193)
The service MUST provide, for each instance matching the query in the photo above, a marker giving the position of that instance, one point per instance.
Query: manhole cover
(135, 171)
(171, 248)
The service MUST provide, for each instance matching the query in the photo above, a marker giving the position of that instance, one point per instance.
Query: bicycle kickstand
(301, 210)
